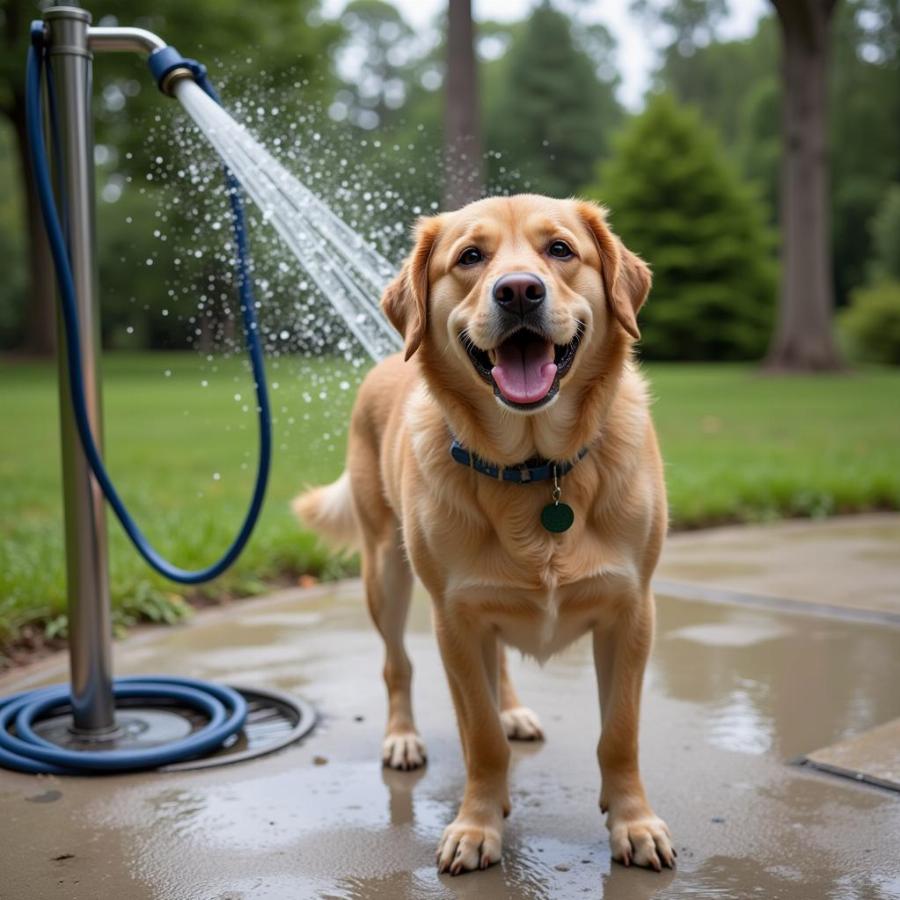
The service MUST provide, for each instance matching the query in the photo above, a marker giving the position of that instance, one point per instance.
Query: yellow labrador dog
(510, 462)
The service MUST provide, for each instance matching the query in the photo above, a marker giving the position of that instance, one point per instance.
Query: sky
(636, 53)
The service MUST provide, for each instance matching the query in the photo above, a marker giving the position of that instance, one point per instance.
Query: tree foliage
(735, 84)
(277, 43)
(886, 237)
(871, 325)
(374, 87)
(551, 114)
(379, 43)
(676, 200)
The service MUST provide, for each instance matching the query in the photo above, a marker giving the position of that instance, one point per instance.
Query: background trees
(126, 103)
(553, 109)
(377, 93)
(677, 201)
(462, 115)
(740, 91)
(803, 337)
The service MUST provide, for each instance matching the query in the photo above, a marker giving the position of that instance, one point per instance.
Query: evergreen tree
(676, 201)
(552, 113)
(737, 88)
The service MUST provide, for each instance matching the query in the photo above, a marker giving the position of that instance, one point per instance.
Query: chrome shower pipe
(70, 42)
(124, 40)
(135, 40)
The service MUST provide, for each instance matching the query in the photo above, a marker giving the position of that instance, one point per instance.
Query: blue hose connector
(163, 61)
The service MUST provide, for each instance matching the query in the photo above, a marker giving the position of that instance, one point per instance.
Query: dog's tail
(328, 511)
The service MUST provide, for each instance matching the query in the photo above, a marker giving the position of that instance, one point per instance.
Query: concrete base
(733, 694)
(873, 756)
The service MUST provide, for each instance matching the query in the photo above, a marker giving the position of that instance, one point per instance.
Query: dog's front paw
(403, 750)
(644, 840)
(521, 724)
(468, 845)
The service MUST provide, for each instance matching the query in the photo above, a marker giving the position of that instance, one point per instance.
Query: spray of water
(347, 270)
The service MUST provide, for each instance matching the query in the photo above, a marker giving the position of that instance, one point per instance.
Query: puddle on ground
(731, 696)
(738, 633)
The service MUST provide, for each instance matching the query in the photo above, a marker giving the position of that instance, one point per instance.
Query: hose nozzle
(167, 66)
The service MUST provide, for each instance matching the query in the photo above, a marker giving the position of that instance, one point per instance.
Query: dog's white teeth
(492, 356)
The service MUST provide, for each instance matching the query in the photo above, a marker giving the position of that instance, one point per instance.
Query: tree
(554, 107)
(376, 34)
(462, 127)
(276, 37)
(675, 200)
(864, 132)
(735, 86)
(39, 330)
(691, 24)
(886, 236)
(12, 248)
(804, 336)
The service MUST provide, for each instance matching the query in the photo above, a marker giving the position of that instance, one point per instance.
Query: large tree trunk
(462, 133)
(804, 339)
(40, 307)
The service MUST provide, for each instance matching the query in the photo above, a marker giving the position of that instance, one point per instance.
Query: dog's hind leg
(388, 582)
(519, 722)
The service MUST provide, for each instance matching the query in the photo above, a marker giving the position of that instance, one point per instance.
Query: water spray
(98, 724)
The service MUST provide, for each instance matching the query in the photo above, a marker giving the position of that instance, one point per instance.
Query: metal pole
(90, 629)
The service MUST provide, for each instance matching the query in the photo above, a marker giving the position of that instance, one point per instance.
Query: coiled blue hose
(25, 750)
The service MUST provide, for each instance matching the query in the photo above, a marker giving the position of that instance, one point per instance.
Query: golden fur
(495, 576)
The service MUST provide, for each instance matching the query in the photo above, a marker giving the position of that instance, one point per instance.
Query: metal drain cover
(274, 720)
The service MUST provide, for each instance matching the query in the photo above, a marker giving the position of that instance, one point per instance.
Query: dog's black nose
(519, 292)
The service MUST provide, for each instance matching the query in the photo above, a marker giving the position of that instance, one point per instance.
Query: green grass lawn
(181, 444)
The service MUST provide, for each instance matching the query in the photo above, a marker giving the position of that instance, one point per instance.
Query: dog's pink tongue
(524, 373)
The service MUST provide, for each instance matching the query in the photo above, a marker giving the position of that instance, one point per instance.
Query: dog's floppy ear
(405, 299)
(626, 277)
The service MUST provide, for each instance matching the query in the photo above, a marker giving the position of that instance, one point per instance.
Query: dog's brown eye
(560, 249)
(470, 256)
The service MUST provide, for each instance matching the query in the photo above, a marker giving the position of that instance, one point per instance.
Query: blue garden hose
(24, 749)
(67, 296)
(27, 751)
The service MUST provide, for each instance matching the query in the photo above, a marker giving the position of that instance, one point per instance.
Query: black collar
(535, 469)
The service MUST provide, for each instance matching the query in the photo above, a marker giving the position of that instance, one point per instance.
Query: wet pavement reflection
(732, 696)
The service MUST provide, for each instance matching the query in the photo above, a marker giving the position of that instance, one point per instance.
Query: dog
(507, 457)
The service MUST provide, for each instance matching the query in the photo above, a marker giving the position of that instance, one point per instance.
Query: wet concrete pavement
(848, 562)
(733, 694)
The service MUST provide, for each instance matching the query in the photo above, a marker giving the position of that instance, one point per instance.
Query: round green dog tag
(557, 517)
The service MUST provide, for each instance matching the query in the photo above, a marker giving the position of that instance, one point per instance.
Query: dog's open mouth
(525, 368)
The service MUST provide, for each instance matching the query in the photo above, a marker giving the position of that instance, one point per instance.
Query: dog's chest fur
(540, 590)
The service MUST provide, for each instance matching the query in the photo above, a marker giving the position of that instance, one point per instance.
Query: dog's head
(517, 297)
